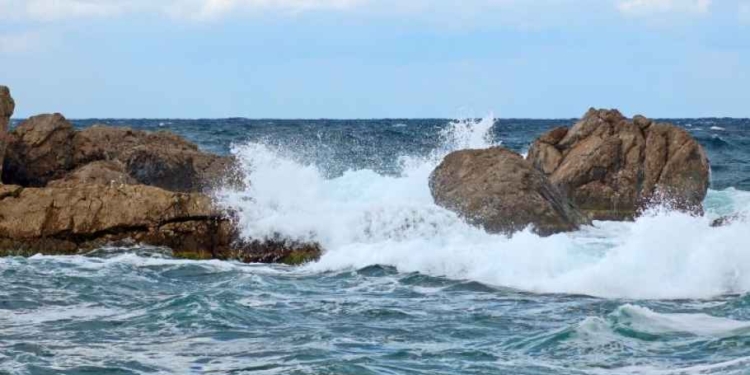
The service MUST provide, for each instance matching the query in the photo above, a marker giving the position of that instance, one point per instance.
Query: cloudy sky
(375, 58)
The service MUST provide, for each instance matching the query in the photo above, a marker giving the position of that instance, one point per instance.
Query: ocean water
(404, 287)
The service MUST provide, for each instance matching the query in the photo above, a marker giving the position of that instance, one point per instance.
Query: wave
(364, 218)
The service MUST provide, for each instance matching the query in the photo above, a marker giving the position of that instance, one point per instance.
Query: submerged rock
(612, 168)
(497, 189)
(7, 106)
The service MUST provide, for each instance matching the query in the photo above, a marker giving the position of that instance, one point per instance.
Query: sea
(404, 286)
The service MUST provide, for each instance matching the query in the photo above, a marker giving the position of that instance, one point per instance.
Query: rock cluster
(67, 191)
(605, 167)
(45, 148)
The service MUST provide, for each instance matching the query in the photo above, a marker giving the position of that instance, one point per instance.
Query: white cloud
(648, 7)
(51, 10)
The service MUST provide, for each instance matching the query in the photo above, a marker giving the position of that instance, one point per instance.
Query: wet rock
(612, 168)
(497, 189)
(727, 220)
(39, 150)
(7, 106)
(64, 220)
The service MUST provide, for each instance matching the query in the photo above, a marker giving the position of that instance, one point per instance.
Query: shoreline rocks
(65, 191)
(72, 220)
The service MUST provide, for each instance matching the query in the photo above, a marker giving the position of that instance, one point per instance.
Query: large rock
(102, 172)
(46, 148)
(40, 150)
(500, 191)
(7, 106)
(158, 159)
(74, 220)
(612, 168)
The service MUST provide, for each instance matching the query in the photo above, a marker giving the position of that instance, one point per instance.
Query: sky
(375, 58)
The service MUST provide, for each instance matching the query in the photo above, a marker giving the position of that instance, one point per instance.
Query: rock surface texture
(39, 150)
(612, 168)
(7, 106)
(159, 159)
(70, 220)
(71, 192)
(498, 190)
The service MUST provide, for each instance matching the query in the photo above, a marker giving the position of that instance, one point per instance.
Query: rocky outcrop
(102, 172)
(612, 167)
(7, 106)
(39, 150)
(71, 192)
(47, 147)
(71, 220)
(497, 189)
(158, 159)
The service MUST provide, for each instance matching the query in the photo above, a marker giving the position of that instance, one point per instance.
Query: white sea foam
(363, 218)
(647, 320)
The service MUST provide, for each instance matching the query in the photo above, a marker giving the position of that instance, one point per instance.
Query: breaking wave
(365, 218)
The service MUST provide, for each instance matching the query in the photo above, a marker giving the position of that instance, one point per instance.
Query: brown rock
(613, 168)
(500, 191)
(39, 150)
(73, 220)
(103, 172)
(7, 106)
(158, 159)
(676, 169)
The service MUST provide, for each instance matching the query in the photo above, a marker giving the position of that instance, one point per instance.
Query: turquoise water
(404, 287)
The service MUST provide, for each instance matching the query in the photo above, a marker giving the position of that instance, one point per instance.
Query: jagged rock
(612, 168)
(46, 148)
(7, 106)
(73, 220)
(158, 159)
(39, 150)
(103, 172)
(497, 189)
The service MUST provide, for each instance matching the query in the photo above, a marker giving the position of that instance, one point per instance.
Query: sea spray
(364, 218)
(377, 303)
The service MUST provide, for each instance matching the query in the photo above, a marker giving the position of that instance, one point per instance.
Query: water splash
(364, 218)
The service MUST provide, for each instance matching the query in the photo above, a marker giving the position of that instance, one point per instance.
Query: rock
(103, 172)
(728, 220)
(613, 168)
(158, 159)
(39, 150)
(497, 189)
(7, 106)
(64, 220)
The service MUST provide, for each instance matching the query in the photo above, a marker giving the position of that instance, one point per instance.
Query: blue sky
(375, 58)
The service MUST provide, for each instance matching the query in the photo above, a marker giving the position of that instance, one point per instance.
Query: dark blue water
(404, 287)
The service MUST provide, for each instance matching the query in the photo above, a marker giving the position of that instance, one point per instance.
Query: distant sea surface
(404, 287)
